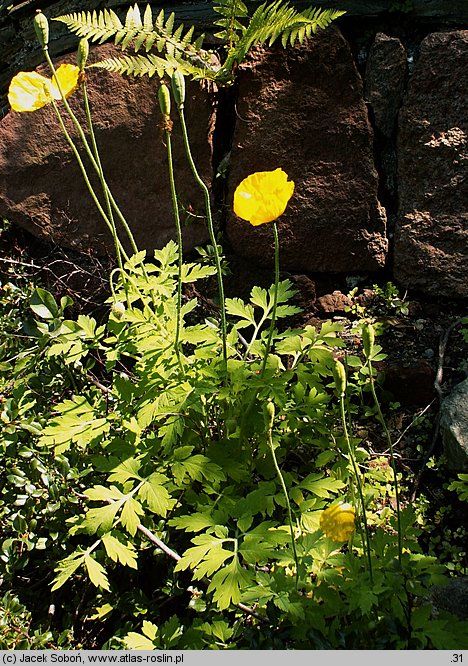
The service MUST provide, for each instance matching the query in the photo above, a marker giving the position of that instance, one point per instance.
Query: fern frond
(95, 27)
(231, 11)
(273, 20)
(137, 30)
(151, 65)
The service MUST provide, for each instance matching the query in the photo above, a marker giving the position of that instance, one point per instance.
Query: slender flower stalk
(120, 251)
(93, 155)
(83, 170)
(261, 198)
(165, 105)
(275, 301)
(368, 338)
(82, 56)
(178, 90)
(270, 418)
(339, 374)
(41, 27)
(92, 159)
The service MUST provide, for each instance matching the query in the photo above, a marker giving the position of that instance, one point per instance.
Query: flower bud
(41, 26)
(164, 98)
(178, 87)
(269, 414)
(82, 53)
(118, 309)
(339, 375)
(368, 339)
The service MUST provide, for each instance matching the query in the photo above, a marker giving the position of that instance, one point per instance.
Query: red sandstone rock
(302, 110)
(431, 240)
(41, 188)
(385, 81)
(335, 302)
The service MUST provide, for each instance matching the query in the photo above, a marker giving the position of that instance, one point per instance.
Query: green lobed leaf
(228, 583)
(96, 572)
(119, 552)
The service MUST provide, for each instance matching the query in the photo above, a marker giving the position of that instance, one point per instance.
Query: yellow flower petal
(263, 196)
(67, 78)
(337, 522)
(29, 91)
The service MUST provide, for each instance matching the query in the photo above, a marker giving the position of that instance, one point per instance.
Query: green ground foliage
(112, 452)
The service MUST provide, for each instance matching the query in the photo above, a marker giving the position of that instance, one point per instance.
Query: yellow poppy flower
(30, 91)
(263, 196)
(337, 522)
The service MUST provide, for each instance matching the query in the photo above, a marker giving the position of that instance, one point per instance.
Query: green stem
(286, 497)
(209, 219)
(120, 251)
(91, 157)
(275, 301)
(270, 332)
(358, 484)
(392, 458)
(82, 167)
(175, 208)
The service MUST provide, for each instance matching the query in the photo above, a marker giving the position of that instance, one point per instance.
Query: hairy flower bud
(118, 309)
(339, 375)
(41, 26)
(164, 98)
(269, 414)
(368, 339)
(178, 87)
(82, 53)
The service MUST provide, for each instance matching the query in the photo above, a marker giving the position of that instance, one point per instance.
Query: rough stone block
(302, 109)
(431, 238)
(385, 81)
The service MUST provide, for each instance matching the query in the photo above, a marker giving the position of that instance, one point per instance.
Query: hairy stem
(175, 208)
(84, 173)
(209, 219)
(93, 160)
(286, 497)
(392, 457)
(275, 301)
(358, 484)
(118, 247)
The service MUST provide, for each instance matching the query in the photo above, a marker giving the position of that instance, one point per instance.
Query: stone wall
(368, 118)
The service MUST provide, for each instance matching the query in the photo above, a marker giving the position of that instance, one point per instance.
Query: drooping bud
(118, 309)
(339, 375)
(82, 53)
(41, 26)
(368, 339)
(178, 87)
(269, 414)
(164, 98)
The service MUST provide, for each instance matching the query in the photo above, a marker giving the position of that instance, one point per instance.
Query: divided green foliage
(163, 456)
(178, 50)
